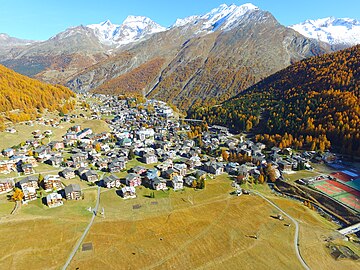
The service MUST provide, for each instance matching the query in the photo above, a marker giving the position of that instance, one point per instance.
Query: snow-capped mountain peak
(106, 23)
(223, 17)
(335, 31)
(132, 29)
(187, 20)
(137, 20)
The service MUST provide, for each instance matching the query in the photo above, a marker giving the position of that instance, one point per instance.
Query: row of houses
(51, 183)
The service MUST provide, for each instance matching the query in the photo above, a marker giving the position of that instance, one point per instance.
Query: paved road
(296, 238)
(77, 246)
(36, 173)
(190, 120)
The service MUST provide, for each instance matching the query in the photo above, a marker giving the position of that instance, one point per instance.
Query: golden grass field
(204, 229)
(207, 229)
(38, 237)
(314, 229)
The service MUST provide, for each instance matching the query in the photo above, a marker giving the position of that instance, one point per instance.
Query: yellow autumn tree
(18, 194)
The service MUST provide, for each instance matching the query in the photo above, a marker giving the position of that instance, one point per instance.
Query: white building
(128, 192)
(54, 200)
(177, 182)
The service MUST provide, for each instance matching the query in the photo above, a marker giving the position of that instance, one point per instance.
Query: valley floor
(203, 229)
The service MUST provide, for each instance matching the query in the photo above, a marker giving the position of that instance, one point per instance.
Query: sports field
(350, 200)
(340, 192)
(328, 188)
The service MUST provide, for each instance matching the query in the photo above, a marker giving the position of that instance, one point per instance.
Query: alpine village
(225, 141)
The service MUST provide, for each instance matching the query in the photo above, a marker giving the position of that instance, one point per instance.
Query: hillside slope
(134, 82)
(316, 101)
(206, 58)
(203, 64)
(26, 97)
(219, 65)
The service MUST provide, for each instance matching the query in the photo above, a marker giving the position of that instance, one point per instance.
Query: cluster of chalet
(51, 184)
(286, 160)
(147, 132)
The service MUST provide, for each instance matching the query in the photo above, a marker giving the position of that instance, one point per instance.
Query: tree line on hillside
(314, 104)
(22, 98)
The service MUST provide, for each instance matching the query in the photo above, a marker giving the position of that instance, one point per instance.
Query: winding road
(78, 243)
(296, 238)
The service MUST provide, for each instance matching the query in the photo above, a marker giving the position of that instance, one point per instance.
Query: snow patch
(132, 29)
(224, 17)
(334, 31)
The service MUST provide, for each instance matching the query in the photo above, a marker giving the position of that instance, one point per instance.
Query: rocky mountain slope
(58, 58)
(203, 58)
(8, 44)
(7, 41)
(213, 67)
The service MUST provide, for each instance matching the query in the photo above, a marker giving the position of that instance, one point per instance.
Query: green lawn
(299, 174)
(322, 168)
(5, 205)
(135, 162)
(118, 208)
(24, 131)
(70, 209)
(164, 201)
(9, 175)
(43, 169)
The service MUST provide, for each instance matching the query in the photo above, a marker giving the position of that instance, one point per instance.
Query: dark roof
(158, 180)
(138, 168)
(28, 179)
(90, 173)
(131, 176)
(71, 188)
(67, 170)
(81, 170)
(199, 173)
(27, 165)
(170, 171)
(110, 178)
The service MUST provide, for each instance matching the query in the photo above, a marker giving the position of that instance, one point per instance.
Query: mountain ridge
(338, 32)
(205, 58)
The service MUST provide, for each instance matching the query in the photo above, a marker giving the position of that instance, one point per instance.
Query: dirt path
(77, 246)
(16, 207)
(296, 237)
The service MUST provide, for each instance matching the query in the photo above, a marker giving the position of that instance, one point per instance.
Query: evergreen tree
(131, 154)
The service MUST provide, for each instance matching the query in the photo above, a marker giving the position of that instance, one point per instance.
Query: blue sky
(41, 19)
